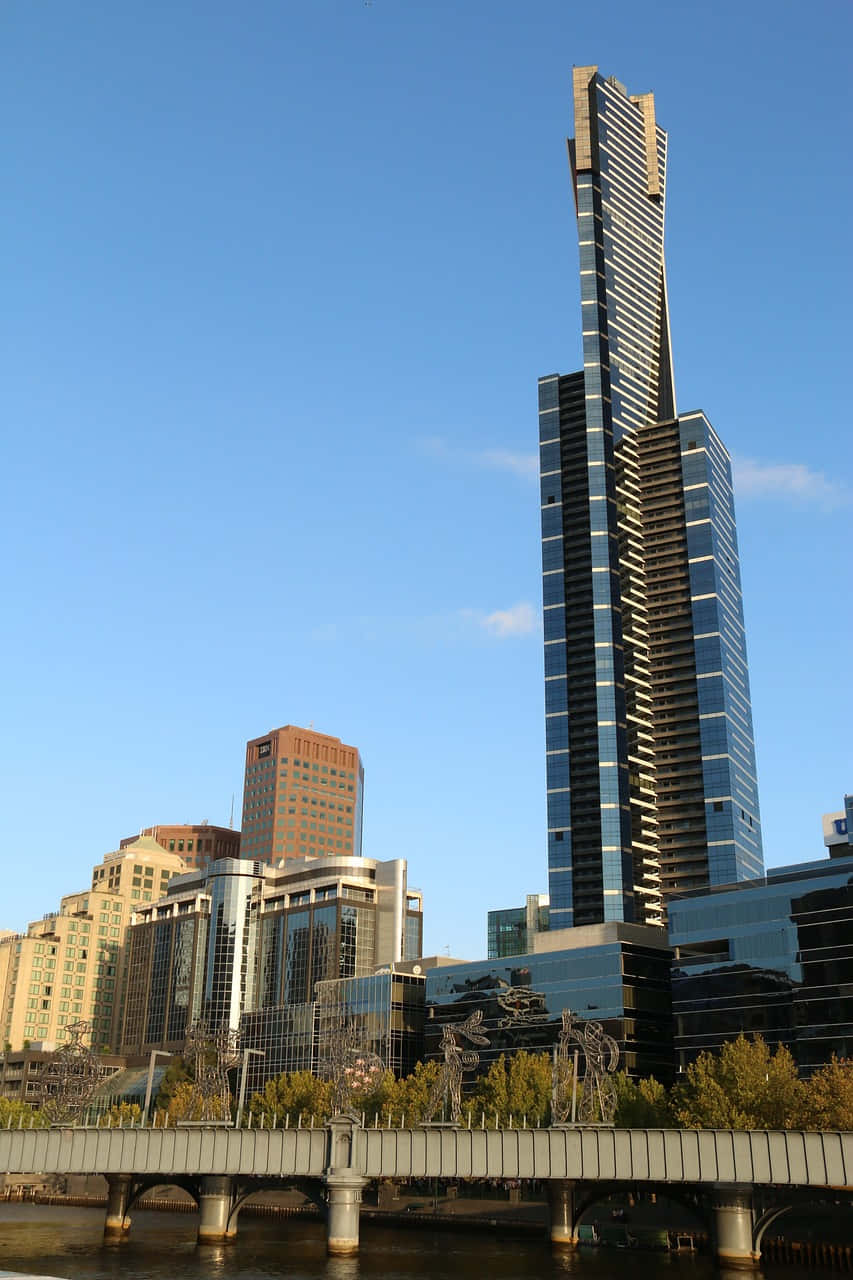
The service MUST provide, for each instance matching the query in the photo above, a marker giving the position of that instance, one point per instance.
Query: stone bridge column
(561, 1203)
(733, 1223)
(214, 1209)
(343, 1192)
(117, 1223)
(344, 1185)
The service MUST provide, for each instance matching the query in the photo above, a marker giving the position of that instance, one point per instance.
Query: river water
(67, 1242)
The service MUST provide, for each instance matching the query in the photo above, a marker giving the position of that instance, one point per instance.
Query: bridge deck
(631, 1155)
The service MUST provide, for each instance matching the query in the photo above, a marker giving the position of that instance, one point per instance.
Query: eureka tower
(650, 757)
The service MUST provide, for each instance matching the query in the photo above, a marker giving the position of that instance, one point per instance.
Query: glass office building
(649, 749)
(511, 930)
(616, 974)
(773, 956)
(240, 938)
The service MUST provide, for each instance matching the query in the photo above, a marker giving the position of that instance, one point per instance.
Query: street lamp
(149, 1084)
(259, 1053)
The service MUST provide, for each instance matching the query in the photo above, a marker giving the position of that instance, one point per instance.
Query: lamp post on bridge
(259, 1053)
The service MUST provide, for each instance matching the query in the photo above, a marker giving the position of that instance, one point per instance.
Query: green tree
(183, 1103)
(176, 1073)
(827, 1098)
(14, 1113)
(517, 1086)
(409, 1096)
(125, 1113)
(745, 1086)
(641, 1104)
(374, 1097)
(295, 1098)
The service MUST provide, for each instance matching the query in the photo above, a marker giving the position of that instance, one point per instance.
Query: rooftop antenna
(231, 819)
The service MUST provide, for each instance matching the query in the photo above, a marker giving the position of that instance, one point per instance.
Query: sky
(279, 282)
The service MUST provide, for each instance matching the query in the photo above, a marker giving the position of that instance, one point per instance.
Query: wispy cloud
(786, 482)
(518, 620)
(524, 465)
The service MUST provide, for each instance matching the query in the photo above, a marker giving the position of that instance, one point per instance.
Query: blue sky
(279, 281)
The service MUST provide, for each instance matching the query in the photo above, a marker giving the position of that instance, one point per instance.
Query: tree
(184, 1103)
(375, 1097)
(641, 1104)
(294, 1097)
(409, 1096)
(517, 1087)
(745, 1086)
(125, 1113)
(176, 1073)
(14, 1113)
(827, 1100)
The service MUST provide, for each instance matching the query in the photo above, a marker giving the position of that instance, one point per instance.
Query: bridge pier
(561, 1205)
(733, 1224)
(343, 1200)
(343, 1184)
(214, 1209)
(117, 1223)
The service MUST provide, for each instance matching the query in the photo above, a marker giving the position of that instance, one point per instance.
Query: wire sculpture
(448, 1087)
(351, 1067)
(212, 1051)
(598, 1090)
(69, 1077)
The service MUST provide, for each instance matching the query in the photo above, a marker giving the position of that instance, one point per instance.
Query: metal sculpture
(349, 1065)
(213, 1051)
(69, 1077)
(448, 1086)
(598, 1090)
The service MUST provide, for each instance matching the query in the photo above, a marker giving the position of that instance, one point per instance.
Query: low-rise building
(772, 956)
(617, 974)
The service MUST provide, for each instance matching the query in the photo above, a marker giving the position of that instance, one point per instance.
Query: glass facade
(511, 931)
(387, 1010)
(732, 823)
(621, 983)
(238, 940)
(774, 957)
(235, 887)
(625, 568)
(167, 956)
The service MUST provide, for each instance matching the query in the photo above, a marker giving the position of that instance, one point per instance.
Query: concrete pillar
(117, 1223)
(733, 1221)
(343, 1207)
(561, 1203)
(214, 1210)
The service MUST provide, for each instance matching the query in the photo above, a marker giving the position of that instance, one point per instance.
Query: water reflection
(68, 1243)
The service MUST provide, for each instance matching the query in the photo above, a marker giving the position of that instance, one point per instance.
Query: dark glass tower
(650, 755)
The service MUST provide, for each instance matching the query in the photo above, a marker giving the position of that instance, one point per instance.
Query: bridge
(720, 1169)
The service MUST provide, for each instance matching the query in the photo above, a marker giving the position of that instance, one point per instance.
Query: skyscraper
(650, 756)
(302, 796)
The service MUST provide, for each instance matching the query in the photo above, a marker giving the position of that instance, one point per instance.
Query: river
(68, 1242)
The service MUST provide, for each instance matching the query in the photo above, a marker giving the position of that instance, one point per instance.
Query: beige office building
(70, 965)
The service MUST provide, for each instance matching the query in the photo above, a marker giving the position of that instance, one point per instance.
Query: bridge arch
(591, 1194)
(140, 1186)
(765, 1220)
(310, 1188)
